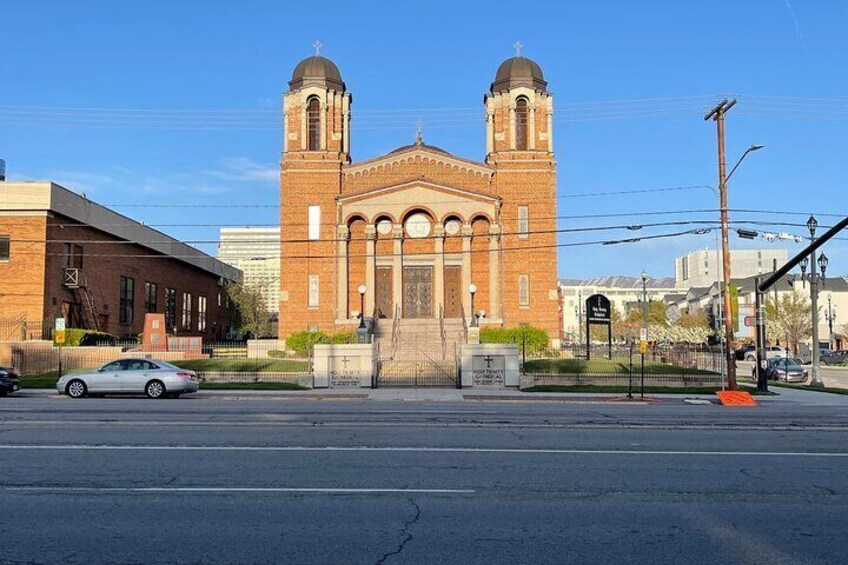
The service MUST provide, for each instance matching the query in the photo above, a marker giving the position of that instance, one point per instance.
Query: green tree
(789, 318)
(251, 313)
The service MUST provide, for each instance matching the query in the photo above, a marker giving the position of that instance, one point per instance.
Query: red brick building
(62, 255)
(418, 227)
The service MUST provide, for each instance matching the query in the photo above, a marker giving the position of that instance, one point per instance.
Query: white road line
(245, 490)
(522, 451)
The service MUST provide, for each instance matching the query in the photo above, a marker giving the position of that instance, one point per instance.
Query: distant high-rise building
(702, 268)
(256, 252)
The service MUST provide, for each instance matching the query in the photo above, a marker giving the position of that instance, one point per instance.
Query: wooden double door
(418, 292)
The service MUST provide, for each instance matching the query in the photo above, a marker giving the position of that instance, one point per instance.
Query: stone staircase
(419, 339)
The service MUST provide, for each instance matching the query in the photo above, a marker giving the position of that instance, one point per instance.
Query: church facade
(417, 229)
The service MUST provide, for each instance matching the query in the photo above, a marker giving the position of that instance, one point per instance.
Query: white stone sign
(493, 365)
(343, 365)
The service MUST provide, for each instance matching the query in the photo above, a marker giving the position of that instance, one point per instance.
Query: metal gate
(420, 372)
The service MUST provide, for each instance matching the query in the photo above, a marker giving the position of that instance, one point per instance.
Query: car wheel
(155, 389)
(76, 389)
(749, 358)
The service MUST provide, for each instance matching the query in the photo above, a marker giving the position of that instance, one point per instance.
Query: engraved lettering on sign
(344, 371)
(488, 370)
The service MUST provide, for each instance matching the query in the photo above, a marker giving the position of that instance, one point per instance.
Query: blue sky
(663, 61)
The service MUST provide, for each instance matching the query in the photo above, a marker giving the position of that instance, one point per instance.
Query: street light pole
(717, 114)
(829, 315)
(472, 288)
(815, 378)
(644, 325)
(361, 290)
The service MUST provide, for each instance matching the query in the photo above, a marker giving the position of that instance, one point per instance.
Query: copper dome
(519, 71)
(317, 71)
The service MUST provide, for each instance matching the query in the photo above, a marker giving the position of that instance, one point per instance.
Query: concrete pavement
(287, 480)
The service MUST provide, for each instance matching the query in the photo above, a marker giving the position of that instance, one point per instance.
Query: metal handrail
(442, 333)
(395, 332)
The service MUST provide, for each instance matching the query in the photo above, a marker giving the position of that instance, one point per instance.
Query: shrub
(343, 337)
(276, 354)
(75, 337)
(535, 339)
(303, 342)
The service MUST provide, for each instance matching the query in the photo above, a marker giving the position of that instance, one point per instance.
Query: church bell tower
(316, 146)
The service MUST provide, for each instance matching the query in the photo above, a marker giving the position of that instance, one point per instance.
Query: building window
(521, 124)
(523, 222)
(125, 315)
(170, 308)
(523, 290)
(314, 223)
(313, 124)
(73, 256)
(684, 266)
(150, 297)
(313, 291)
(201, 313)
(186, 310)
(4, 247)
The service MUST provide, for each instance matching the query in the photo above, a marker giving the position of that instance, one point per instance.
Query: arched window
(313, 124)
(521, 122)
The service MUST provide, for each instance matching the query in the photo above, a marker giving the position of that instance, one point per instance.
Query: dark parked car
(835, 357)
(740, 353)
(783, 369)
(9, 381)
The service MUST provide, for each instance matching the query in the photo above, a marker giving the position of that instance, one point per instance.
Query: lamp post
(718, 114)
(815, 378)
(830, 316)
(644, 335)
(472, 288)
(361, 290)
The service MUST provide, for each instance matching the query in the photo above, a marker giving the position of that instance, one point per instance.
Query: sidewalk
(424, 395)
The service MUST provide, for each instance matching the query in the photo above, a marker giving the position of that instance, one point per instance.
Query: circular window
(452, 227)
(418, 226)
(384, 227)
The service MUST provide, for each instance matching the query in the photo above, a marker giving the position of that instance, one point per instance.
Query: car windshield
(786, 364)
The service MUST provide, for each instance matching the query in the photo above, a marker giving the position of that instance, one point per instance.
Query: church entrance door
(418, 292)
(383, 296)
(453, 291)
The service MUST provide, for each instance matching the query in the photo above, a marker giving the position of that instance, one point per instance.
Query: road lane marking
(332, 449)
(326, 490)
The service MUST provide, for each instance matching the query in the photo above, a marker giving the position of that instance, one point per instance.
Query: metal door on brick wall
(422, 370)
(418, 292)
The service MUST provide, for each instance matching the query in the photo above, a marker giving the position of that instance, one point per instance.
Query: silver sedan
(156, 379)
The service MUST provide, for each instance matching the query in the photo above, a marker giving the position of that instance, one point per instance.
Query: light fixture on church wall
(418, 226)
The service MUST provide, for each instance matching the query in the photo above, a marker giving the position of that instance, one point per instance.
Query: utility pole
(717, 114)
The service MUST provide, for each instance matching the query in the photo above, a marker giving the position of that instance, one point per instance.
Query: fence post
(630, 376)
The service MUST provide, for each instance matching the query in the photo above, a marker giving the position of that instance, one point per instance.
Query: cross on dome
(518, 47)
(317, 45)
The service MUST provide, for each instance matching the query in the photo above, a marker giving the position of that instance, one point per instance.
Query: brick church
(418, 228)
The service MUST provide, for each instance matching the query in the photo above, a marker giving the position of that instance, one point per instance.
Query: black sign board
(598, 309)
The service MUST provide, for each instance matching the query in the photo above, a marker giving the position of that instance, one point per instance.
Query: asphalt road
(225, 480)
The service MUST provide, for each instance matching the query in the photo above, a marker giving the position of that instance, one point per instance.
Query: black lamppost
(472, 288)
(812, 224)
(830, 316)
(361, 290)
(644, 326)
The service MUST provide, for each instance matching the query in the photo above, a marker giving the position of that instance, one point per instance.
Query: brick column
(439, 267)
(494, 272)
(342, 234)
(467, 231)
(397, 268)
(490, 133)
(512, 126)
(370, 268)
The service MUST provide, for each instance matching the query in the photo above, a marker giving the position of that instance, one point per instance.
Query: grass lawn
(40, 380)
(606, 367)
(636, 390)
(244, 365)
(250, 386)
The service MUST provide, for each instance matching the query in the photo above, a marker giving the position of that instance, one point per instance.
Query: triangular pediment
(419, 153)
